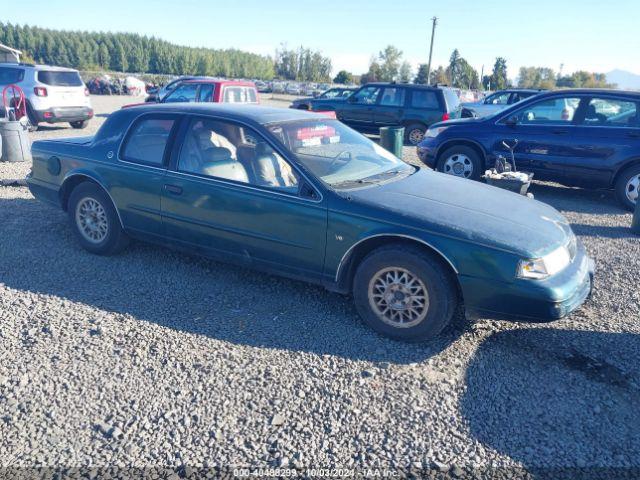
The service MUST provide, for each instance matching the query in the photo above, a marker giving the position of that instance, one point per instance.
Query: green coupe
(302, 195)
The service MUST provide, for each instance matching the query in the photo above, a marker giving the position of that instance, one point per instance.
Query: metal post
(433, 32)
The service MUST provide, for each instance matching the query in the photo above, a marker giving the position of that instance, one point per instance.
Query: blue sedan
(301, 195)
(584, 138)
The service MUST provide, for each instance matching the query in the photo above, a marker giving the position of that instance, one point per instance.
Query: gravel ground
(158, 359)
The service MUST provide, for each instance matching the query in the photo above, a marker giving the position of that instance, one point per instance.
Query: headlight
(434, 132)
(550, 264)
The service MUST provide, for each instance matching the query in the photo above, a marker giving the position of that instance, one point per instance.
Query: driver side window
(184, 93)
(367, 95)
(555, 111)
(498, 99)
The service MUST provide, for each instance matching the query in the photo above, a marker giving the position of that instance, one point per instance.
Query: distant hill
(624, 80)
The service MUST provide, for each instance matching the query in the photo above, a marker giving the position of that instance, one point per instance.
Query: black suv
(378, 105)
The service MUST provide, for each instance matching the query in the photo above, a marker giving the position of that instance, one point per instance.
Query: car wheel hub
(632, 190)
(91, 219)
(416, 136)
(398, 297)
(459, 165)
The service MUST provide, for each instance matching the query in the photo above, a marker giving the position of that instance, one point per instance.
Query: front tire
(414, 134)
(404, 293)
(95, 220)
(461, 161)
(80, 124)
(627, 187)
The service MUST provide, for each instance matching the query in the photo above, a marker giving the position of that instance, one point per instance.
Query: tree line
(128, 52)
(388, 66)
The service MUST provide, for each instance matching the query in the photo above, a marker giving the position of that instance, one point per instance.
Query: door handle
(633, 134)
(173, 189)
(559, 131)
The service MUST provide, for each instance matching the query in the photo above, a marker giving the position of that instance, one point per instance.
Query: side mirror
(352, 99)
(511, 121)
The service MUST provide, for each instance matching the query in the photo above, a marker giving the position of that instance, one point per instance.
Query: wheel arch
(454, 142)
(358, 251)
(72, 180)
(626, 165)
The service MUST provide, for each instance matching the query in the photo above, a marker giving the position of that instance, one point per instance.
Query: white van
(53, 94)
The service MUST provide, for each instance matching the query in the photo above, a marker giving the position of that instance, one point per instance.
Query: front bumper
(427, 151)
(531, 300)
(64, 114)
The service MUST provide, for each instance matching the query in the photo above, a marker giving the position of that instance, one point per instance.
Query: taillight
(445, 117)
(86, 92)
(40, 91)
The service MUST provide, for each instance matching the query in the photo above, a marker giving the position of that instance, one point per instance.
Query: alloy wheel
(632, 189)
(416, 136)
(91, 220)
(459, 165)
(398, 297)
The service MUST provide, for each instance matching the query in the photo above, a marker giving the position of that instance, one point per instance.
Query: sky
(580, 34)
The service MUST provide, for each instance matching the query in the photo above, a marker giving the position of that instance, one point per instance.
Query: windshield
(337, 155)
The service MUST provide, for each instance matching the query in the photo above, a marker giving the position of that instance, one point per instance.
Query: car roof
(51, 68)
(406, 85)
(218, 81)
(256, 113)
(593, 91)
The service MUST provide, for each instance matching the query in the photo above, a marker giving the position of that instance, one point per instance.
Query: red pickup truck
(212, 90)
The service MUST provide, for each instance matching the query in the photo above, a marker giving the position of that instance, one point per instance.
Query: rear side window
(451, 98)
(60, 79)
(147, 141)
(11, 75)
(611, 112)
(239, 95)
(425, 99)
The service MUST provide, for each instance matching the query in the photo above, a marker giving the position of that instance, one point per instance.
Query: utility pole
(433, 32)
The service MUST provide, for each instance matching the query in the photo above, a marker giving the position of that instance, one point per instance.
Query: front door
(543, 137)
(390, 109)
(357, 111)
(231, 195)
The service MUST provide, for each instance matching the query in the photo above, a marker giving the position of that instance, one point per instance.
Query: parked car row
(586, 138)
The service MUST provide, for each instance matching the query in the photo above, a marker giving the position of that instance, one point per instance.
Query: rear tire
(627, 187)
(404, 293)
(461, 161)
(414, 133)
(80, 124)
(95, 221)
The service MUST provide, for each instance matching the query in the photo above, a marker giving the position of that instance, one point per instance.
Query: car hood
(470, 211)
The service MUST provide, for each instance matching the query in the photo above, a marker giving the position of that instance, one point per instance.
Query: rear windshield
(60, 79)
(451, 98)
(11, 75)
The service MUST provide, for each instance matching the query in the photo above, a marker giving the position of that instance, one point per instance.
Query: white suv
(53, 94)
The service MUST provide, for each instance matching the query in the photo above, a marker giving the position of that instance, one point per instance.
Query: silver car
(495, 102)
(53, 94)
